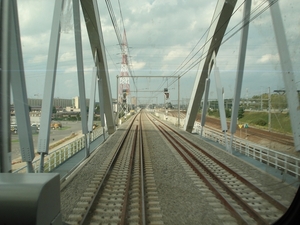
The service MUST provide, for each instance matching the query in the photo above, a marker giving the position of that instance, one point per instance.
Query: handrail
(281, 161)
(60, 155)
(285, 163)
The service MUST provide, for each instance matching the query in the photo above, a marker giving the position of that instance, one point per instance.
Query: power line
(203, 56)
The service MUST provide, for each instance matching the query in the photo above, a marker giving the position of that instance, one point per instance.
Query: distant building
(57, 102)
(76, 102)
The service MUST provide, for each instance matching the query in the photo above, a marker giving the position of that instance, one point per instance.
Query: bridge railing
(281, 161)
(60, 155)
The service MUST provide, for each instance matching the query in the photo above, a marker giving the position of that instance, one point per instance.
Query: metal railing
(60, 155)
(283, 162)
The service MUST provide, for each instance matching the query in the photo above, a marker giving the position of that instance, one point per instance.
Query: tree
(241, 113)
(53, 109)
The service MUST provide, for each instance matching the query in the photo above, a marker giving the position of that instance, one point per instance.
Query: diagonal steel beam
(93, 25)
(217, 30)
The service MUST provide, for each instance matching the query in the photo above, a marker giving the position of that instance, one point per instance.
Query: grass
(280, 122)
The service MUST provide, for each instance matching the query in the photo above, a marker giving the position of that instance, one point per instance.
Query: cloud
(268, 58)
(138, 65)
(160, 35)
(38, 59)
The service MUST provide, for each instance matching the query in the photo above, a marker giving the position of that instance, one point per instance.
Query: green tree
(53, 109)
(241, 113)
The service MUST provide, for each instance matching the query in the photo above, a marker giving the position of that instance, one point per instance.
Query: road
(55, 136)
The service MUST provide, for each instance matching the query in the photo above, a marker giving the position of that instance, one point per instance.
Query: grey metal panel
(5, 151)
(221, 17)
(30, 199)
(93, 24)
(19, 91)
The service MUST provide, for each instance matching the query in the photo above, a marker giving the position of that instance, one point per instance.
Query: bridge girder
(214, 39)
(93, 25)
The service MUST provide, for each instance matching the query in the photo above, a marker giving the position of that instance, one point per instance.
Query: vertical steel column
(80, 70)
(5, 148)
(205, 100)
(221, 104)
(43, 140)
(18, 85)
(287, 72)
(91, 106)
(269, 110)
(118, 107)
(101, 105)
(240, 71)
(178, 100)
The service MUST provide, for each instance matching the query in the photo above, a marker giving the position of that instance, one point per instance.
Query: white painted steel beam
(80, 68)
(287, 72)
(217, 30)
(205, 104)
(80, 73)
(240, 69)
(5, 148)
(93, 24)
(18, 85)
(92, 100)
(43, 140)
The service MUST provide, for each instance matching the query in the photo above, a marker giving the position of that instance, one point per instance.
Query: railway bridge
(146, 170)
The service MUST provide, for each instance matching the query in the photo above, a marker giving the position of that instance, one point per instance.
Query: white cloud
(268, 58)
(38, 59)
(71, 69)
(67, 56)
(138, 65)
(160, 35)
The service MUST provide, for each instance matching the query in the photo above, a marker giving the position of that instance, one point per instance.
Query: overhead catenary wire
(204, 55)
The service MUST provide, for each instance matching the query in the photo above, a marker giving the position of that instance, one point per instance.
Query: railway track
(246, 203)
(123, 191)
(253, 132)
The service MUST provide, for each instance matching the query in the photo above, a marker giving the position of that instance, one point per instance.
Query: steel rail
(264, 195)
(142, 171)
(256, 216)
(224, 201)
(130, 168)
(106, 176)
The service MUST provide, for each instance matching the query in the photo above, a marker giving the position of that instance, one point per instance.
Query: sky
(162, 36)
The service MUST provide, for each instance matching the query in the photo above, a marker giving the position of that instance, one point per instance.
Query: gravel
(181, 201)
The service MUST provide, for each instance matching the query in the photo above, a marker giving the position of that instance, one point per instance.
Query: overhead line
(199, 59)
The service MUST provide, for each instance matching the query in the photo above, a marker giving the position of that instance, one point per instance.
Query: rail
(62, 154)
(283, 162)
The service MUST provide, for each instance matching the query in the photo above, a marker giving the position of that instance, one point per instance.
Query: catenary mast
(124, 85)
